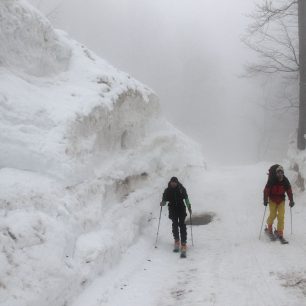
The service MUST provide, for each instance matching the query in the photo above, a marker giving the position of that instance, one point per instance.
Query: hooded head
(279, 173)
(174, 182)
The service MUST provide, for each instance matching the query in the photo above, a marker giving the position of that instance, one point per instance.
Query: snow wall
(84, 156)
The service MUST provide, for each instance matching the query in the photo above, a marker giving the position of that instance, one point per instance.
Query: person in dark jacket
(274, 194)
(175, 195)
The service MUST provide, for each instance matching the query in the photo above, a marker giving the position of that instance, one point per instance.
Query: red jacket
(276, 191)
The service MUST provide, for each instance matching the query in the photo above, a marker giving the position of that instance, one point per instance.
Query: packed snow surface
(228, 264)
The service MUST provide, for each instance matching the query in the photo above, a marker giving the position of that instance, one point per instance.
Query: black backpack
(272, 172)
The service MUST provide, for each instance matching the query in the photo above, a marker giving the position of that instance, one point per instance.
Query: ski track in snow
(228, 264)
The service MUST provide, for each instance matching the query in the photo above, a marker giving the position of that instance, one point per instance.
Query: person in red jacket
(274, 194)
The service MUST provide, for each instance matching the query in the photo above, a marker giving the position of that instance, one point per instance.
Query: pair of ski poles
(161, 208)
(263, 220)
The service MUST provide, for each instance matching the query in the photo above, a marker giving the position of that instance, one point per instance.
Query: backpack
(272, 179)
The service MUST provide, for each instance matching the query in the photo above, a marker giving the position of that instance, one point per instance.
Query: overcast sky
(190, 53)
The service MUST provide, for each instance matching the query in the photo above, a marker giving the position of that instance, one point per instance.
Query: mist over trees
(277, 34)
(194, 63)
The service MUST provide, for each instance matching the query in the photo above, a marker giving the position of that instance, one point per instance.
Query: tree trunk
(301, 142)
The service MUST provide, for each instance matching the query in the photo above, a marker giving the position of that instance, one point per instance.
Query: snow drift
(297, 164)
(84, 156)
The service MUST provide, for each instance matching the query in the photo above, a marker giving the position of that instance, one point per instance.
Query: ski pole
(161, 208)
(263, 219)
(291, 219)
(191, 230)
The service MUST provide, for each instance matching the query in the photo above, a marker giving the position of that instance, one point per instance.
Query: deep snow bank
(28, 42)
(297, 163)
(84, 156)
(59, 123)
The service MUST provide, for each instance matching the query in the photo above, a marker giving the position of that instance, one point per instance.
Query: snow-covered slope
(28, 42)
(84, 155)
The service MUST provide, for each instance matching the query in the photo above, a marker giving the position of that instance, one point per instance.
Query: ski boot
(280, 237)
(176, 248)
(269, 233)
(183, 250)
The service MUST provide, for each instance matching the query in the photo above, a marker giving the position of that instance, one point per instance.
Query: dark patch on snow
(295, 280)
(2, 285)
(125, 187)
(178, 294)
(11, 235)
(103, 80)
(201, 219)
(88, 54)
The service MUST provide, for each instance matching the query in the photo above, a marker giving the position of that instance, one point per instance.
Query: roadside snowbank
(297, 163)
(84, 155)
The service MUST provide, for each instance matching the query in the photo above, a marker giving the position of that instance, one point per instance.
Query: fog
(190, 53)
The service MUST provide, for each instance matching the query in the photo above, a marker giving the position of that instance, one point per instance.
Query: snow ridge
(28, 41)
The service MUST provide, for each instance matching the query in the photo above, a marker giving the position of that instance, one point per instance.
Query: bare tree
(278, 35)
(273, 35)
(302, 58)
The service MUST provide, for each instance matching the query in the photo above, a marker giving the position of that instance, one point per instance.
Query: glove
(163, 203)
(291, 204)
(265, 203)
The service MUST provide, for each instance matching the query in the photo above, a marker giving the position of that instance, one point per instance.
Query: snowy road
(228, 266)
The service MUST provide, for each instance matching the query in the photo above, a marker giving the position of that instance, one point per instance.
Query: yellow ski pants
(277, 210)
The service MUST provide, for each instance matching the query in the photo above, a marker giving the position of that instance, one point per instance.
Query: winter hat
(174, 179)
(280, 168)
